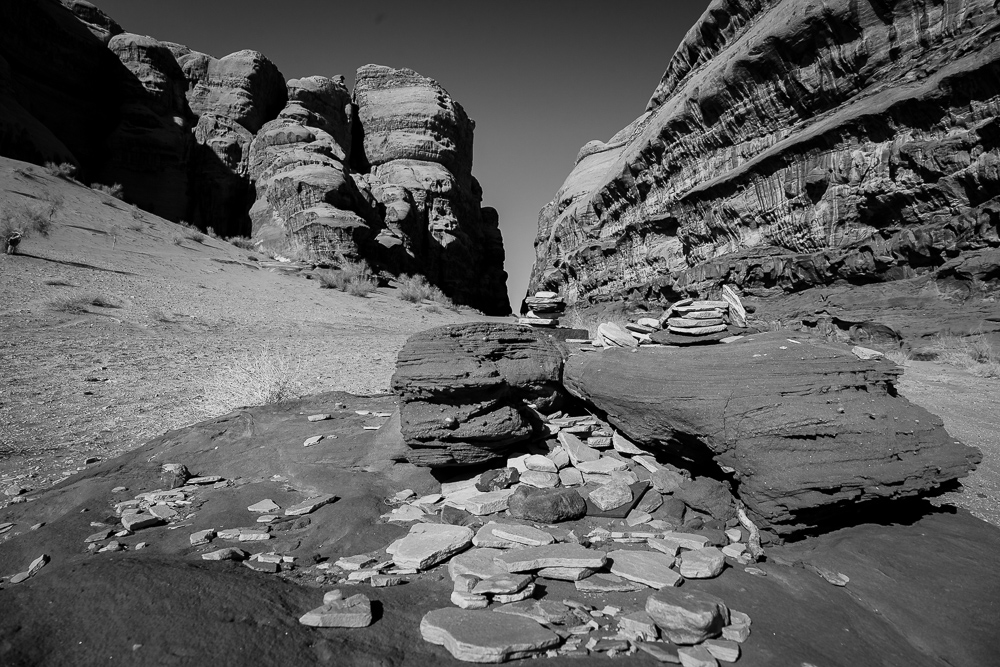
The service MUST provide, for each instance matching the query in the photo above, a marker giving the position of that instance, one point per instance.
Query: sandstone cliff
(225, 143)
(791, 144)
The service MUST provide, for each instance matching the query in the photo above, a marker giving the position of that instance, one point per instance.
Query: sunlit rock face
(792, 143)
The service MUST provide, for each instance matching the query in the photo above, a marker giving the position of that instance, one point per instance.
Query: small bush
(211, 233)
(359, 286)
(413, 288)
(79, 303)
(116, 190)
(197, 237)
(898, 357)
(259, 377)
(973, 353)
(64, 170)
(333, 280)
(242, 242)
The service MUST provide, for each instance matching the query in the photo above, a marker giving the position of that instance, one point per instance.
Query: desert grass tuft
(242, 242)
(354, 278)
(197, 237)
(416, 289)
(258, 377)
(117, 190)
(973, 354)
(64, 170)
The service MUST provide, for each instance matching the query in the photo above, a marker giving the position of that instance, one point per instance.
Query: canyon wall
(793, 144)
(304, 167)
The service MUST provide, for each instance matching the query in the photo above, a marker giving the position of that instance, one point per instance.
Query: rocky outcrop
(807, 428)
(225, 143)
(462, 390)
(791, 144)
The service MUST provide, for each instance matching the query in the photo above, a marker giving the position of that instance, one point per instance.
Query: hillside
(96, 382)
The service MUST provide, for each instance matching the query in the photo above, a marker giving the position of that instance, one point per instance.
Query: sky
(540, 77)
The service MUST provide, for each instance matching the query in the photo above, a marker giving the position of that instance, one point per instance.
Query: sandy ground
(93, 384)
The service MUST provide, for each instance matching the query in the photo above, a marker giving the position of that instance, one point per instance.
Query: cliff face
(791, 144)
(226, 143)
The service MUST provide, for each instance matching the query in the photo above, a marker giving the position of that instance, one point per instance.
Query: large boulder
(806, 426)
(790, 144)
(463, 389)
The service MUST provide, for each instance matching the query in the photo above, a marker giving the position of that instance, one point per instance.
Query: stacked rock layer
(792, 144)
(307, 168)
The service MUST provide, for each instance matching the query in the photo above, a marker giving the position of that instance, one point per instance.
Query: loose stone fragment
(687, 616)
(566, 573)
(570, 477)
(333, 596)
(546, 505)
(429, 544)
(164, 512)
(99, 536)
(496, 480)
(636, 518)
(404, 495)
(702, 563)
(502, 583)
(540, 480)
(353, 612)
(141, 545)
(532, 537)
(602, 466)
(599, 442)
(663, 652)
(650, 502)
(464, 583)
(229, 553)
(310, 505)
(491, 502)
(19, 577)
(607, 583)
(355, 562)
(577, 451)
(613, 335)
(485, 537)
(314, 440)
(866, 354)
(228, 534)
(483, 636)
(645, 567)
(723, 649)
(139, 521)
(695, 656)
(469, 600)
(610, 496)
(734, 534)
(254, 536)
(686, 540)
(559, 458)
(523, 594)
(4, 527)
(540, 463)
(480, 563)
(548, 612)
(665, 480)
(319, 417)
(734, 550)
(552, 555)
(269, 568)
(202, 537)
(207, 479)
(265, 506)
(638, 626)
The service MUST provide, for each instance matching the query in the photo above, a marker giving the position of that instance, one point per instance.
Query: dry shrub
(211, 233)
(117, 190)
(972, 353)
(258, 377)
(78, 303)
(898, 357)
(197, 237)
(416, 289)
(242, 242)
(63, 170)
(354, 278)
(361, 286)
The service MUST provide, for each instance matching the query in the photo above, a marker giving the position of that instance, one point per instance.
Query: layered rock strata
(463, 389)
(791, 144)
(806, 427)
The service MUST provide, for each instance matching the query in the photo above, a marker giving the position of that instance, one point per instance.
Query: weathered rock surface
(547, 505)
(462, 390)
(809, 428)
(790, 145)
(687, 616)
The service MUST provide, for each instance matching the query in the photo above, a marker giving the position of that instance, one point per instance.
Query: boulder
(687, 616)
(547, 505)
(463, 388)
(808, 428)
(483, 636)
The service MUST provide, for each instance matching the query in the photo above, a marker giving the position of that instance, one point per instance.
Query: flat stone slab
(638, 490)
(526, 535)
(540, 480)
(310, 504)
(139, 521)
(645, 567)
(540, 463)
(229, 553)
(607, 583)
(624, 445)
(570, 477)
(602, 466)
(486, 538)
(503, 584)
(566, 573)
(552, 555)
(353, 612)
(702, 563)
(485, 636)
(490, 502)
(428, 544)
(687, 616)
(540, 611)
(611, 496)
(265, 506)
(576, 449)
(686, 540)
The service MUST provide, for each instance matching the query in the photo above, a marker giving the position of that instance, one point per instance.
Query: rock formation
(806, 426)
(791, 144)
(462, 390)
(224, 143)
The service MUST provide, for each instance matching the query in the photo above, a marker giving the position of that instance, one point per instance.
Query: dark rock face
(547, 505)
(791, 145)
(807, 427)
(224, 143)
(463, 387)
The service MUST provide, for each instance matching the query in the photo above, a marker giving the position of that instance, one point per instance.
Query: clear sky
(540, 77)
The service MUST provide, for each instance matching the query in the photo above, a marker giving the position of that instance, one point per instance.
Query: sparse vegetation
(197, 237)
(116, 190)
(972, 353)
(416, 289)
(211, 233)
(899, 357)
(259, 377)
(242, 242)
(63, 170)
(78, 304)
(354, 278)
